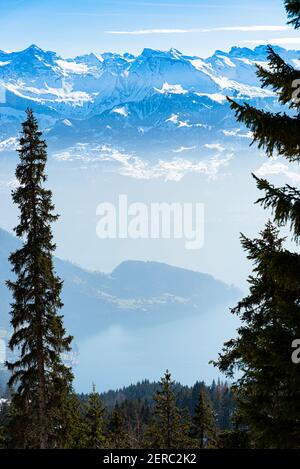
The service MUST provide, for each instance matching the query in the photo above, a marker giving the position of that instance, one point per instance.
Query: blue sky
(73, 27)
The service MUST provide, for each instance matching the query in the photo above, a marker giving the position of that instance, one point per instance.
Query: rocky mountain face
(112, 99)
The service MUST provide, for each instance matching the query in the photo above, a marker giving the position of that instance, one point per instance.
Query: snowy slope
(102, 97)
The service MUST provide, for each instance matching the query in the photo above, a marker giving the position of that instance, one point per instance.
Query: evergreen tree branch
(276, 133)
(293, 11)
(284, 203)
(282, 77)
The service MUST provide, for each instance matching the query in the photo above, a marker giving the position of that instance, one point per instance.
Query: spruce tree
(203, 428)
(268, 392)
(94, 422)
(73, 426)
(168, 430)
(39, 378)
(293, 12)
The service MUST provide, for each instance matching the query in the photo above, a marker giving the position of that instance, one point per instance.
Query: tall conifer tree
(268, 392)
(203, 426)
(41, 381)
(94, 419)
(168, 429)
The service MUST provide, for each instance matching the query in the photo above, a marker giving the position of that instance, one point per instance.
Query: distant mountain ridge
(135, 294)
(154, 96)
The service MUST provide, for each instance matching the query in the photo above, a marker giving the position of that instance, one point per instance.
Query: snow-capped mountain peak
(124, 91)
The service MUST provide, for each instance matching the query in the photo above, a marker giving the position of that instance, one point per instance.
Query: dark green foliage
(268, 393)
(137, 415)
(234, 439)
(74, 425)
(293, 11)
(276, 133)
(223, 403)
(203, 428)
(118, 435)
(40, 379)
(281, 77)
(2, 438)
(284, 203)
(94, 422)
(169, 428)
(219, 394)
(143, 390)
(4, 416)
(128, 424)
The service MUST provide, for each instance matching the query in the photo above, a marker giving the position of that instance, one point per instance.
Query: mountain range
(141, 314)
(134, 294)
(156, 114)
(167, 98)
